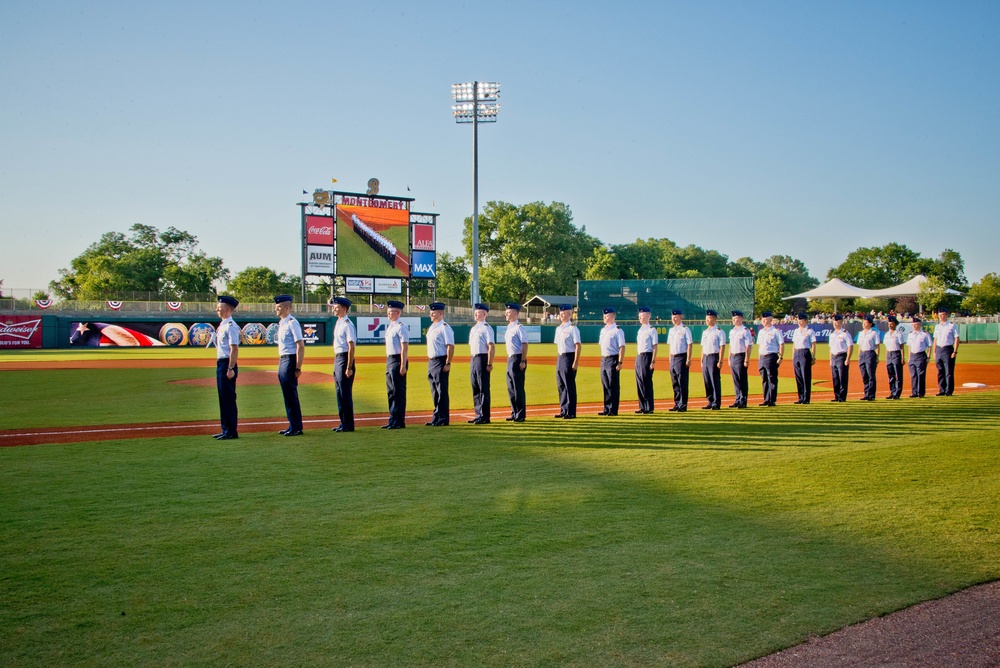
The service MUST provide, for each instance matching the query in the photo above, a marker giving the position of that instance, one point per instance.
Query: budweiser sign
(319, 230)
(21, 332)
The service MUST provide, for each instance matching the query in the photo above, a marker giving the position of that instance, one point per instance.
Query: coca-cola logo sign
(21, 332)
(319, 230)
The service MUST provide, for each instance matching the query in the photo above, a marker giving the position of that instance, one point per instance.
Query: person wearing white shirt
(612, 341)
(945, 352)
(516, 343)
(440, 351)
(397, 345)
(803, 358)
(569, 344)
(868, 344)
(841, 349)
(227, 351)
(918, 343)
(681, 345)
(893, 343)
(713, 346)
(770, 352)
(482, 349)
(291, 353)
(647, 345)
(345, 341)
(740, 344)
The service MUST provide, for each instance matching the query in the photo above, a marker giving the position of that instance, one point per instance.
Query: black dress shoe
(806, 401)
(218, 435)
(293, 432)
(395, 426)
(430, 424)
(443, 424)
(715, 408)
(385, 426)
(284, 431)
(559, 417)
(764, 404)
(640, 412)
(228, 437)
(941, 394)
(798, 402)
(682, 410)
(674, 409)
(603, 413)
(706, 408)
(509, 419)
(517, 419)
(569, 417)
(734, 405)
(473, 421)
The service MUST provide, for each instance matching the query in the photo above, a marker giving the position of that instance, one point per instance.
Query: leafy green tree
(768, 293)
(933, 293)
(454, 280)
(260, 284)
(602, 265)
(529, 248)
(950, 268)
(984, 297)
(146, 261)
(881, 267)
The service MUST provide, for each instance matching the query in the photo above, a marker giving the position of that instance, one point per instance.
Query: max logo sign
(424, 269)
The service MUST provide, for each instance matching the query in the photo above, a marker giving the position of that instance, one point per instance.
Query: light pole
(476, 103)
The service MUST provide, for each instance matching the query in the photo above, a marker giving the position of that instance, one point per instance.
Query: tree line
(525, 249)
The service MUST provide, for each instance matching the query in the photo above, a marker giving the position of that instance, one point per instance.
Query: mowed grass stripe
(642, 541)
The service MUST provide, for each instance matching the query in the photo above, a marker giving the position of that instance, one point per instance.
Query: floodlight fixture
(476, 103)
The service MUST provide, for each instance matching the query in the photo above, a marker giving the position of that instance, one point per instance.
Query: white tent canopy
(909, 289)
(833, 289)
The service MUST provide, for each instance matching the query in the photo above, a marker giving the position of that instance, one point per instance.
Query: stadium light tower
(476, 103)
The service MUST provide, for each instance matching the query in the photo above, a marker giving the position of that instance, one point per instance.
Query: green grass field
(698, 540)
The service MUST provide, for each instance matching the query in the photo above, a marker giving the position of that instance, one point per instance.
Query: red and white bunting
(43, 303)
(174, 306)
(114, 305)
(421, 308)
(380, 306)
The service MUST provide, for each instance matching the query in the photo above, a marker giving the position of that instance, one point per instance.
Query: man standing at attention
(770, 352)
(841, 349)
(894, 358)
(291, 352)
(516, 342)
(713, 347)
(397, 345)
(740, 343)
(945, 352)
(803, 358)
(647, 344)
(482, 348)
(680, 342)
(440, 351)
(345, 341)
(918, 343)
(868, 343)
(612, 343)
(568, 347)
(227, 351)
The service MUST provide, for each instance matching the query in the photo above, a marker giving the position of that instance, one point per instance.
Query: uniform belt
(288, 355)
(611, 357)
(440, 357)
(680, 355)
(573, 354)
(395, 357)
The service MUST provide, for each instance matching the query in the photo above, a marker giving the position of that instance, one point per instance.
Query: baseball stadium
(708, 538)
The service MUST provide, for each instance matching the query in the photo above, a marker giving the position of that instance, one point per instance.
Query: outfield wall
(61, 331)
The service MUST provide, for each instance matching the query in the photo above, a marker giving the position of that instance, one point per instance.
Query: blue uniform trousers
(438, 378)
(479, 377)
(345, 391)
(712, 378)
(290, 391)
(644, 381)
(802, 366)
(841, 373)
(741, 379)
(228, 414)
(868, 363)
(918, 374)
(395, 387)
(515, 387)
(679, 379)
(894, 367)
(566, 384)
(768, 367)
(946, 369)
(611, 383)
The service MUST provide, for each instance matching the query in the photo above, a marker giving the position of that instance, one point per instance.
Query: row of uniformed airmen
(482, 350)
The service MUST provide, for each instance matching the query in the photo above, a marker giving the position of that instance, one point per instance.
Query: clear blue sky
(753, 128)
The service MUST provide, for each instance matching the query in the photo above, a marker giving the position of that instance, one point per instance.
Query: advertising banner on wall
(359, 285)
(153, 333)
(534, 333)
(388, 286)
(423, 237)
(372, 330)
(19, 331)
(319, 260)
(319, 230)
